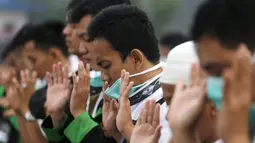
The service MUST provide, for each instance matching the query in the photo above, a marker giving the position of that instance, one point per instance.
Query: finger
(27, 75)
(151, 111)
(128, 90)
(34, 76)
(54, 71)
(228, 76)
(117, 105)
(244, 65)
(106, 98)
(202, 74)
(156, 116)
(60, 73)
(192, 75)
(65, 75)
(16, 83)
(80, 73)
(114, 106)
(123, 74)
(75, 80)
(105, 86)
(157, 133)
(122, 81)
(49, 79)
(23, 77)
(139, 121)
(106, 105)
(87, 81)
(145, 112)
(179, 86)
(8, 113)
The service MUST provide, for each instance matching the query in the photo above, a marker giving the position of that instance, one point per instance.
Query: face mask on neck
(96, 80)
(114, 90)
(215, 88)
(40, 84)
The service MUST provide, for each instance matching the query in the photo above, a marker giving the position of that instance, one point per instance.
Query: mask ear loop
(148, 70)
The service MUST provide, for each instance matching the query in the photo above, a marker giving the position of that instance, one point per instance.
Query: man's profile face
(213, 56)
(108, 61)
(72, 33)
(36, 59)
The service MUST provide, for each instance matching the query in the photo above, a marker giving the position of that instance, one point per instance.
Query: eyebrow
(82, 34)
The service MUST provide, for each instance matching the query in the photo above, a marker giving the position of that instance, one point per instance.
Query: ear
(56, 54)
(138, 57)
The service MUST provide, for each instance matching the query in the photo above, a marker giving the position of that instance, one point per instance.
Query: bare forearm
(35, 132)
(238, 139)
(22, 130)
(184, 137)
(127, 133)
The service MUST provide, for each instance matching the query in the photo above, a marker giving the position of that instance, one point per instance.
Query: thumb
(157, 133)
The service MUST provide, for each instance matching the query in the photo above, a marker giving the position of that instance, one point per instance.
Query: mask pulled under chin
(114, 90)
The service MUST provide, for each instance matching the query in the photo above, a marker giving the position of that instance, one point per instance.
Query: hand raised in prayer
(28, 80)
(81, 90)
(233, 121)
(110, 111)
(124, 119)
(147, 128)
(187, 103)
(58, 93)
(14, 93)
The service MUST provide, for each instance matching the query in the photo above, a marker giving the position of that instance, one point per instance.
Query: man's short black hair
(48, 35)
(126, 28)
(22, 36)
(172, 39)
(77, 9)
(45, 35)
(231, 22)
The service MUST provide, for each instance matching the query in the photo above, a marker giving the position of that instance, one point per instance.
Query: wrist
(184, 135)
(117, 136)
(77, 113)
(128, 132)
(57, 118)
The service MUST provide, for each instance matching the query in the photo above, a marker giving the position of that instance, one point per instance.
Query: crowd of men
(126, 85)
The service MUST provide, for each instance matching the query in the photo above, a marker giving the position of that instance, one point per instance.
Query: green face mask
(114, 90)
(96, 80)
(215, 87)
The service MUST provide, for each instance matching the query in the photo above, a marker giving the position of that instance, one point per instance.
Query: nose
(67, 30)
(83, 48)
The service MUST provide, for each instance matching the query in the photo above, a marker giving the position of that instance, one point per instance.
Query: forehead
(211, 51)
(84, 22)
(100, 48)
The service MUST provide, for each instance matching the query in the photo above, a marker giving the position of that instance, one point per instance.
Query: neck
(143, 78)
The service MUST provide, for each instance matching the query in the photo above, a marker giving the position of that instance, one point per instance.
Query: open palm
(187, 103)
(147, 128)
(58, 92)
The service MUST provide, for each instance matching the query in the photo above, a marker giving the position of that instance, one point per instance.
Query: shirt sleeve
(55, 134)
